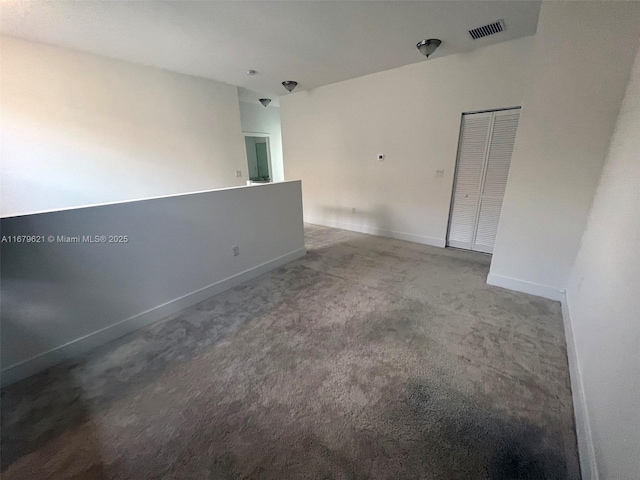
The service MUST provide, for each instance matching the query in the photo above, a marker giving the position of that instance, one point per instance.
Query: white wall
(257, 119)
(332, 135)
(60, 299)
(604, 300)
(80, 129)
(582, 57)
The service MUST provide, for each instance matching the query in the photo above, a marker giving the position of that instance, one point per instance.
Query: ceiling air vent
(486, 30)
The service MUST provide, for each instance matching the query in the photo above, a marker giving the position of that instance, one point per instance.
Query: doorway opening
(482, 168)
(258, 158)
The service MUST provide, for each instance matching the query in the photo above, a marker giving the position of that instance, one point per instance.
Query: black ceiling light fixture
(265, 101)
(427, 47)
(290, 85)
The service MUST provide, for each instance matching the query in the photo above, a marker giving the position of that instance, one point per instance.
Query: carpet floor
(370, 358)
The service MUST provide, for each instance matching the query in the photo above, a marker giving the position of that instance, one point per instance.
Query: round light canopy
(290, 85)
(427, 47)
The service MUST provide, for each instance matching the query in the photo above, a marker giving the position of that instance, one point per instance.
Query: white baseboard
(82, 345)
(526, 287)
(586, 449)
(409, 237)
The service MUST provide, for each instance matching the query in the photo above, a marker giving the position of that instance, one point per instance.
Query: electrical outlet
(380, 157)
(236, 250)
(439, 173)
(353, 210)
(238, 173)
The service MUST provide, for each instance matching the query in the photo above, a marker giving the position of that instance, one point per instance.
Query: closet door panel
(500, 151)
(503, 136)
(472, 151)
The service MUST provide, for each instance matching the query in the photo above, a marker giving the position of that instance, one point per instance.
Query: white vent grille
(486, 30)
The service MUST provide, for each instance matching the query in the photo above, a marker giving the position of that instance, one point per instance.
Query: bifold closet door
(503, 137)
(472, 153)
(484, 156)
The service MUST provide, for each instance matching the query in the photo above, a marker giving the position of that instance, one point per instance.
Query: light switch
(439, 173)
(380, 157)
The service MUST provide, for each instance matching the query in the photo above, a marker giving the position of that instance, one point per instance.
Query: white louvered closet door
(484, 157)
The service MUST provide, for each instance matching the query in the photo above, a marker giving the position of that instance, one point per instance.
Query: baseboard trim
(586, 450)
(82, 345)
(409, 237)
(526, 287)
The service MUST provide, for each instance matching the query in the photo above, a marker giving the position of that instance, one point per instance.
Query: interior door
(472, 153)
(484, 156)
(503, 137)
(263, 160)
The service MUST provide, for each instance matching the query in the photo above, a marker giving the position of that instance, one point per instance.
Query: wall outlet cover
(236, 250)
(238, 173)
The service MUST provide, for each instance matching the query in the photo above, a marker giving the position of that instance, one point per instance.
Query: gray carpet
(369, 358)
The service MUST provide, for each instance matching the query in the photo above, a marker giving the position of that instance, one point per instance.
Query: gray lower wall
(61, 299)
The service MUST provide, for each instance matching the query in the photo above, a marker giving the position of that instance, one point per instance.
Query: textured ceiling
(313, 42)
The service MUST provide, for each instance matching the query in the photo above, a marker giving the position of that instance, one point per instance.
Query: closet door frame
(482, 176)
